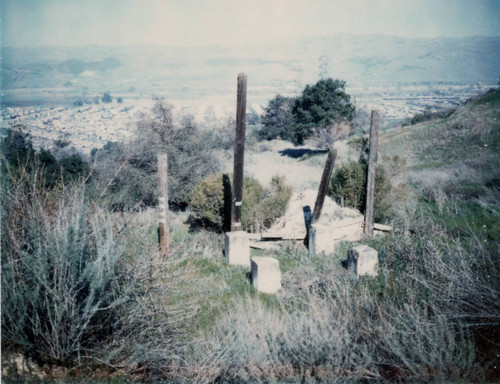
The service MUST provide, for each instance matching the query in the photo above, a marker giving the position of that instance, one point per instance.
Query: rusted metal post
(164, 236)
(323, 186)
(372, 175)
(239, 152)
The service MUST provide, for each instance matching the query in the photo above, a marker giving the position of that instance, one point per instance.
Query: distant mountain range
(276, 67)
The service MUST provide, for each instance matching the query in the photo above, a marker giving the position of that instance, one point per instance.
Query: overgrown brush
(348, 188)
(128, 171)
(416, 320)
(60, 271)
(211, 201)
(341, 331)
(80, 289)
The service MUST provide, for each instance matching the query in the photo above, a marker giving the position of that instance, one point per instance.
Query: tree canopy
(319, 106)
(278, 119)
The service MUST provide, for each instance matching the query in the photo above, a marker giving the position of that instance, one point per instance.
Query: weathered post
(239, 152)
(372, 174)
(163, 203)
(323, 185)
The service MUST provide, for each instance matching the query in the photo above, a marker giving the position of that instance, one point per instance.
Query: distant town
(93, 124)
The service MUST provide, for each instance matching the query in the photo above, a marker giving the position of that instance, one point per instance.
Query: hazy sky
(201, 22)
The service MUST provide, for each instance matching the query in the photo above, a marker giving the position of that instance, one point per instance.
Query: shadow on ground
(296, 153)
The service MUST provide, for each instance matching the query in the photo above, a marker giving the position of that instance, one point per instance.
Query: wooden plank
(382, 227)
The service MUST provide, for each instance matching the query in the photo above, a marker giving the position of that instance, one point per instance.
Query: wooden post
(239, 152)
(323, 186)
(372, 175)
(164, 236)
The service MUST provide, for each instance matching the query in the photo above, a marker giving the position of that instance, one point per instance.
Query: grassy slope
(448, 169)
(454, 166)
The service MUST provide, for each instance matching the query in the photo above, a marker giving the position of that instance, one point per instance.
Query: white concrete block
(321, 239)
(363, 260)
(266, 274)
(237, 248)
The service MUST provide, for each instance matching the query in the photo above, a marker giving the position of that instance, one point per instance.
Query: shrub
(210, 200)
(132, 167)
(348, 188)
(427, 115)
(207, 200)
(60, 272)
(275, 203)
(20, 157)
(106, 98)
(16, 148)
(81, 287)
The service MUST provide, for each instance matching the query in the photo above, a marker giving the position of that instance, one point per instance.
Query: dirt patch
(344, 223)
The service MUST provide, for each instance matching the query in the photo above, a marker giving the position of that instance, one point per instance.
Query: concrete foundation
(266, 274)
(237, 248)
(363, 260)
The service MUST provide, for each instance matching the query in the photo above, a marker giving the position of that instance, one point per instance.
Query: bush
(211, 200)
(60, 272)
(81, 287)
(274, 205)
(20, 157)
(106, 98)
(427, 115)
(348, 188)
(132, 167)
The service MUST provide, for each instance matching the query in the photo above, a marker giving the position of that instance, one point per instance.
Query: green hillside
(453, 166)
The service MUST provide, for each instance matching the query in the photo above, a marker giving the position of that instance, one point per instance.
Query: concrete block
(320, 239)
(363, 260)
(237, 248)
(266, 274)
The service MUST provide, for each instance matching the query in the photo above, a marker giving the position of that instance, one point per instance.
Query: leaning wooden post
(323, 185)
(164, 236)
(239, 152)
(372, 174)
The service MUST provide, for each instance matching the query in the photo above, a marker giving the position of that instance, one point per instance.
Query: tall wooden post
(323, 185)
(372, 174)
(239, 152)
(164, 236)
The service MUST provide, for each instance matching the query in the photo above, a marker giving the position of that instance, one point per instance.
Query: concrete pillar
(237, 248)
(363, 260)
(266, 274)
(320, 239)
(312, 240)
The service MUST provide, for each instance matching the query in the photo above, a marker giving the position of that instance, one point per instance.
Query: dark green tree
(278, 119)
(319, 106)
(106, 98)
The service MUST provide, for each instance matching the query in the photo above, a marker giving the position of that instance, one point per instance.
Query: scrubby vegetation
(84, 288)
(427, 115)
(348, 188)
(127, 171)
(211, 202)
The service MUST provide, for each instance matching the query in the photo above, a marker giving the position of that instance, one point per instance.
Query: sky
(36, 23)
